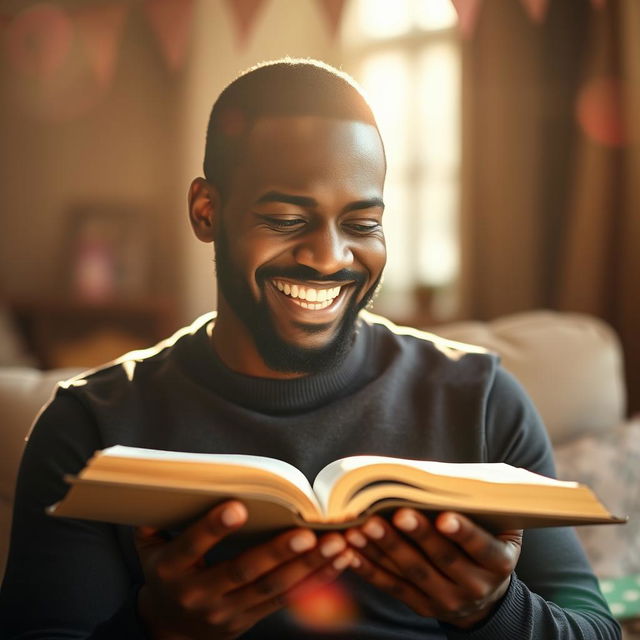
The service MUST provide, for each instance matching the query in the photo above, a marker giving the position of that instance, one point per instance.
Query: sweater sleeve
(553, 593)
(65, 578)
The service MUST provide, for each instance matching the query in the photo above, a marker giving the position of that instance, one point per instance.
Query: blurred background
(511, 128)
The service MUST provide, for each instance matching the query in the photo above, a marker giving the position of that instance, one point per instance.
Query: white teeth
(323, 297)
(311, 305)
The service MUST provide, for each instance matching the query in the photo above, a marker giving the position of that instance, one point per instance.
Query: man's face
(299, 242)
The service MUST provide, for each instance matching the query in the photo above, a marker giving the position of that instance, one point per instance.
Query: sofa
(572, 367)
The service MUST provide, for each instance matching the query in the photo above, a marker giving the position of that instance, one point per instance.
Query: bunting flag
(536, 9)
(170, 22)
(332, 10)
(39, 39)
(468, 12)
(244, 14)
(100, 29)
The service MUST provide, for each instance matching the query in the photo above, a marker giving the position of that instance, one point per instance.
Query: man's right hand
(183, 598)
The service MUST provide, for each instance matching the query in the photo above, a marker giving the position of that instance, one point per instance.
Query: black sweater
(398, 393)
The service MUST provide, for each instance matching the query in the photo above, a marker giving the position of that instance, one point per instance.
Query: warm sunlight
(407, 58)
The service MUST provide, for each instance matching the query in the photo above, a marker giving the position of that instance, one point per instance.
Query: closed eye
(282, 224)
(363, 227)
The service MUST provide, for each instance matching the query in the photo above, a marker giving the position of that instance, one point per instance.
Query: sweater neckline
(277, 396)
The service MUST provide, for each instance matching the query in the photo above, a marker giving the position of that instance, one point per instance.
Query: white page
(277, 467)
(487, 471)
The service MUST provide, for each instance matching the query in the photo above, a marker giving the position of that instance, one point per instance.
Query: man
(293, 202)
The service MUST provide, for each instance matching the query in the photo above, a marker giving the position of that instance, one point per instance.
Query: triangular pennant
(536, 9)
(170, 21)
(244, 13)
(99, 29)
(39, 39)
(332, 10)
(468, 12)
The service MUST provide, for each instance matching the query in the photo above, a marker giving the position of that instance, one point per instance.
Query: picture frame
(106, 253)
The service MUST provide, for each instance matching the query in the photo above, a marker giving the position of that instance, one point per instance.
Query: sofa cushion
(570, 364)
(609, 463)
(22, 392)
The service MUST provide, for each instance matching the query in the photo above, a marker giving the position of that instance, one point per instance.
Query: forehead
(301, 152)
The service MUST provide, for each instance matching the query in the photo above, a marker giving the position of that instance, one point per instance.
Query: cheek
(256, 254)
(373, 256)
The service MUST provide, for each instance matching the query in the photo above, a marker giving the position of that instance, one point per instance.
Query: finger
(250, 565)
(147, 538)
(187, 550)
(447, 557)
(412, 563)
(497, 554)
(392, 584)
(325, 575)
(327, 560)
(365, 545)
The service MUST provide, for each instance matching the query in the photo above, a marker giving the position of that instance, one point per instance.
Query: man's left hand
(452, 569)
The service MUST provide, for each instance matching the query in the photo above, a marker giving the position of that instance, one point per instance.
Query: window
(406, 56)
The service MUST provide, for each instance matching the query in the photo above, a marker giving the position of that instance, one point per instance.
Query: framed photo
(107, 255)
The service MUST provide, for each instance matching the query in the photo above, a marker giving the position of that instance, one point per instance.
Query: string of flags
(68, 50)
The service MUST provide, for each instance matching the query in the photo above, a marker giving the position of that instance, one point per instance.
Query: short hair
(287, 87)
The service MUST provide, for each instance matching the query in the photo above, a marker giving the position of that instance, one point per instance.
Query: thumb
(512, 538)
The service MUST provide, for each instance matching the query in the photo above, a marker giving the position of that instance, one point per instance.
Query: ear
(204, 207)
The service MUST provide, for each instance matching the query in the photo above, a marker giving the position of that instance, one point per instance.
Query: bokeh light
(324, 607)
(600, 113)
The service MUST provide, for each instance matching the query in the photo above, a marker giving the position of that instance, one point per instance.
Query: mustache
(303, 272)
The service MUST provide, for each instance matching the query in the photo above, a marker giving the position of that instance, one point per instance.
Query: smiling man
(292, 367)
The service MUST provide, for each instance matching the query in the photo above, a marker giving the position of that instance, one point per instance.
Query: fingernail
(357, 539)
(374, 529)
(406, 520)
(302, 541)
(449, 524)
(343, 560)
(355, 561)
(332, 547)
(234, 514)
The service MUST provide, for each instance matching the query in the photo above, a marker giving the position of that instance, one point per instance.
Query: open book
(167, 489)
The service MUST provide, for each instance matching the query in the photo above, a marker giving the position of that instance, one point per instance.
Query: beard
(278, 353)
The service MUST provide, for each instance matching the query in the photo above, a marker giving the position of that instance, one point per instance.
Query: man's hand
(452, 570)
(182, 598)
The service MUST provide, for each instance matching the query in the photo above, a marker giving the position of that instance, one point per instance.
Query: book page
(498, 472)
(271, 465)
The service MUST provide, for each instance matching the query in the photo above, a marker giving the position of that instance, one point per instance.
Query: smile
(313, 298)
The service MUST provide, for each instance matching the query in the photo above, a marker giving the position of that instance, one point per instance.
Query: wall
(121, 150)
(141, 145)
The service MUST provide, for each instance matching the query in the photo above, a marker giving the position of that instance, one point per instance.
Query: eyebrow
(309, 203)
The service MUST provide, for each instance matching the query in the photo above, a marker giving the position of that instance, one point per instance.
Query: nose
(324, 249)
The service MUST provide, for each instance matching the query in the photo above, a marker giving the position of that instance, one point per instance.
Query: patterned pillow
(610, 465)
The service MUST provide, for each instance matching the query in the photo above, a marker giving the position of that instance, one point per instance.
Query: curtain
(551, 166)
